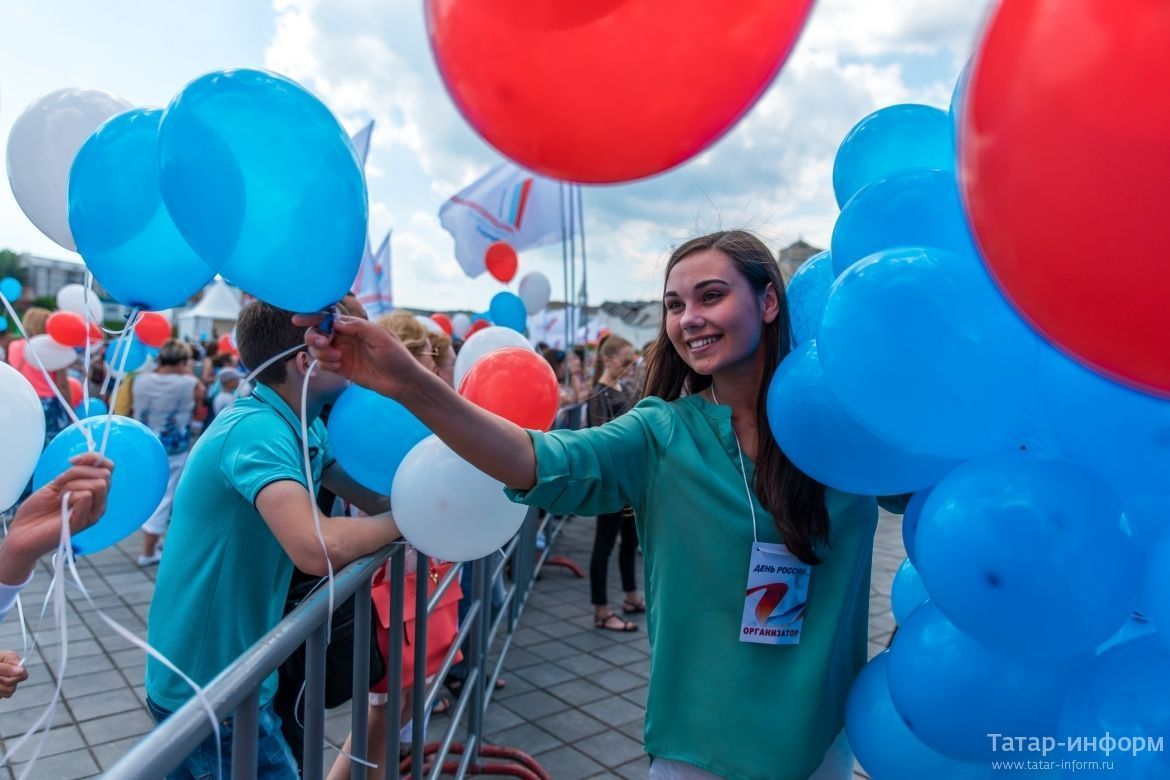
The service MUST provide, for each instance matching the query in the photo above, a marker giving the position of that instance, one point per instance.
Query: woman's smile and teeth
(700, 345)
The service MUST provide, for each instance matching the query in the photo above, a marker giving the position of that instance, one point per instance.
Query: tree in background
(10, 265)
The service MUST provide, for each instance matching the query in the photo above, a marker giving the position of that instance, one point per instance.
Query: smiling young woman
(757, 577)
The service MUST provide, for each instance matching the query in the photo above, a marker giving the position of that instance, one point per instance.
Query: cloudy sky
(369, 59)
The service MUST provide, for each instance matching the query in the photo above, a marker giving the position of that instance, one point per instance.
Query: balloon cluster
(1035, 601)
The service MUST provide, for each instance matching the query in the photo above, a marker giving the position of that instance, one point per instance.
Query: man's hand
(364, 353)
(36, 529)
(11, 673)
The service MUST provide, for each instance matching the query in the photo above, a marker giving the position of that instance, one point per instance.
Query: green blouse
(737, 709)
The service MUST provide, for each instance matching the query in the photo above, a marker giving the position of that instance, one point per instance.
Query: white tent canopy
(214, 315)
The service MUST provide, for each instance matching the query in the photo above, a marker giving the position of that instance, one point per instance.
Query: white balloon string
(28, 350)
(312, 493)
(88, 352)
(257, 371)
(122, 350)
(328, 744)
(24, 648)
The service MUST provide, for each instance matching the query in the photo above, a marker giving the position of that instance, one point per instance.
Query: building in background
(794, 255)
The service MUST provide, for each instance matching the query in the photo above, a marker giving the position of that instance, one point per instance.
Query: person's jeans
(274, 759)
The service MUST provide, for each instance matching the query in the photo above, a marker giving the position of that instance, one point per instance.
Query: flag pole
(565, 273)
(573, 263)
(584, 260)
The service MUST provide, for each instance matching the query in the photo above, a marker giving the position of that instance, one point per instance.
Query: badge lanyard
(742, 472)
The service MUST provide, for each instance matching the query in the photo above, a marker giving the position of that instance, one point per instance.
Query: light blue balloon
(907, 592)
(136, 488)
(889, 140)
(884, 744)
(1029, 555)
(806, 293)
(118, 220)
(264, 184)
(11, 288)
(507, 310)
(918, 207)
(921, 348)
(910, 521)
(1123, 693)
(91, 408)
(131, 350)
(370, 435)
(958, 100)
(3, 324)
(1121, 433)
(830, 446)
(952, 691)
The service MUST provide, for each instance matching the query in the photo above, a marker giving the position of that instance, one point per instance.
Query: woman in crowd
(56, 416)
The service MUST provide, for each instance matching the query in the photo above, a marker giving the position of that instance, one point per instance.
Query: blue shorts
(275, 760)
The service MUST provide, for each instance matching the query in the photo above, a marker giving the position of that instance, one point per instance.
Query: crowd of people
(669, 449)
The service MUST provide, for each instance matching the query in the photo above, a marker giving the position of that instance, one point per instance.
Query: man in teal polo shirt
(242, 519)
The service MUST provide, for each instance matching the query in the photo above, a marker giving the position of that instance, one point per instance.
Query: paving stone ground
(575, 696)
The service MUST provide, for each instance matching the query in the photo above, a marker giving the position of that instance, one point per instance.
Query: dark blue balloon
(1029, 555)
(952, 691)
(370, 435)
(119, 223)
(264, 184)
(910, 521)
(1155, 598)
(907, 592)
(830, 446)
(91, 408)
(917, 207)
(920, 347)
(889, 140)
(806, 294)
(138, 483)
(883, 743)
(1122, 694)
(126, 354)
(507, 310)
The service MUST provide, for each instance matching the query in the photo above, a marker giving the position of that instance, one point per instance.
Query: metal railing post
(315, 702)
(361, 680)
(418, 732)
(394, 662)
(476, 661)
(245, 735)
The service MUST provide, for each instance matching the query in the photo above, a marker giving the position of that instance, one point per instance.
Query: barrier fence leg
(419, 692)
(477, 663)
(245, 735)
(315, 703)
(361, 680)
(394, 662)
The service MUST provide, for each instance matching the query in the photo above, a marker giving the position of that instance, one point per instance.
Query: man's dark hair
(262, 333)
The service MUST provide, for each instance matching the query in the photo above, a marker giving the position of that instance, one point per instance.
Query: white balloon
(430, 325)
(535, 290)
(72, 298)
(41, 147)
(449, 509)
(23, 422)
(52, 356)
(483, 342)
(459, 325)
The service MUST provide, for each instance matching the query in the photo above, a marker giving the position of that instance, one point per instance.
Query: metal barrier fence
(235, 692)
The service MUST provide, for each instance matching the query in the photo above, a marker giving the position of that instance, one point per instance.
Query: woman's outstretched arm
(373, 358)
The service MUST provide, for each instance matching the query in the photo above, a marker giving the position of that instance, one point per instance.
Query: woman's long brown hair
(795, 500)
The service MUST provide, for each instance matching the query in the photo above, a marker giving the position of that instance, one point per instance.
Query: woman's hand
(362, 352)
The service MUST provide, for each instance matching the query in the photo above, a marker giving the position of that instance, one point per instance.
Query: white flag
(361, 142)
(548, 325)
(508, 204)
(373, 285)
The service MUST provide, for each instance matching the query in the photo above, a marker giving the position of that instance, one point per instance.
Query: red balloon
(443, 321)
(75, 394)
(152, 329)
(608, 90)
(1065, 148)
(226, 347)
(500, 259)
(476, 327)
(67, 328)
(515, 383)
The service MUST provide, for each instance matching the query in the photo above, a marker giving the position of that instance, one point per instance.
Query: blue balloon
(370, 435)
(91, 408)
(958, 99)
(884, 744)
(1029, 555)
(1121, 433)
(3, 324)
(130, 350)
(829, 445)
(956, 364)
(889, 140)
(264, 184)
(507, 310)
(138, 483)
(119, 223)
(1136, 627)
(952, 691)
(907, 592)
(11, 288)
(918, 207)
(1122, 694)
(1155, 598)
(910, 521)
(806, 293)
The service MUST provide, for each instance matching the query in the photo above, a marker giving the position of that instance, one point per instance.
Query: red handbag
(442, 626)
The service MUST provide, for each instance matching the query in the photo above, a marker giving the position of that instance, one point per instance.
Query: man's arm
(338, 481)
(287, 509)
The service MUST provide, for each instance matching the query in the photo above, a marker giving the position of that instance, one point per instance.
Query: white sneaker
(150, 560)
